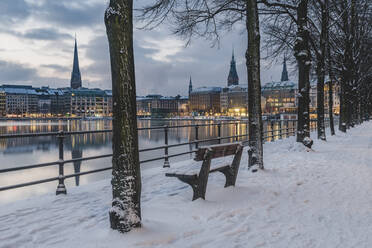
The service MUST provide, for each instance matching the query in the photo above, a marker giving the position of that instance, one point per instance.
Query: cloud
(163, 65)
(17, 73)
(13, 72)
(70, 13)
(45, 34)
(58, 68)
(12, 11)
(50, 34)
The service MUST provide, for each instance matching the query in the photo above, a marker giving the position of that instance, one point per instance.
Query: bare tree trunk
(330, 74)
(302, 54)
(125, 213)
(345, 74)
(330, 110)
(254, 84)
(321, 72)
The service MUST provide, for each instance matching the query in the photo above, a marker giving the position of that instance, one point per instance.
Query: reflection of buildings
(77, 152)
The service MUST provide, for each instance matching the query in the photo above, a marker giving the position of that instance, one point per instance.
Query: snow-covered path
(302, 199)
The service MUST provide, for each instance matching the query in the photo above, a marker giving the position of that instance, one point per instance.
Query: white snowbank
(320, 198)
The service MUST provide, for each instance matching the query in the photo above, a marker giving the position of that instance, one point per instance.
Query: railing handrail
(56, 133)
(280, 131)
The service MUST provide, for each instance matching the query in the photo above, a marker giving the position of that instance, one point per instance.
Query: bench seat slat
(193, 167)
(220, 150)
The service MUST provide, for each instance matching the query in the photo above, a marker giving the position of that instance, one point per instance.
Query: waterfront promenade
(319, 198)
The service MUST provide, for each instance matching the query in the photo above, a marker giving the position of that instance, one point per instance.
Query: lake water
(25, 151)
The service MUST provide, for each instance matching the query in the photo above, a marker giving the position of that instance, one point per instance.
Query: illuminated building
(2, 103)
(161, 106)
(205, 100)
(234, 100)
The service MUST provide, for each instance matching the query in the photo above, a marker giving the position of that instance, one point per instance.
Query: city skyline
(37, 42)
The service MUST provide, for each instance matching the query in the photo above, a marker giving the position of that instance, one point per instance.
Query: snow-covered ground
(321, 198)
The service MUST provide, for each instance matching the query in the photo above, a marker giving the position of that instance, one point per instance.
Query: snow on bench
(196, 175)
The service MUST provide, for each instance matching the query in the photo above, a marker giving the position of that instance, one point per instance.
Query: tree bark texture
(254, 84)
(125, 213)
(302, 54)
(331, 76)
(321, 72)
(345, 73)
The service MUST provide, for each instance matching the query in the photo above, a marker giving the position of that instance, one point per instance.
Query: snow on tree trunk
(254, 84)
(125, 213)
(345, 114)
(320, 70)
(302, 54)
(331, 75)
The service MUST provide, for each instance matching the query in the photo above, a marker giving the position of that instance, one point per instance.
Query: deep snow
(320, 198)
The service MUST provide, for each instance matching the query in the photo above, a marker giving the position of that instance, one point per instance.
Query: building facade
(20, 100)
(234, 100)
(280, 97)
(86, 102)
(159, 106)
(205, 100)
(2, 103)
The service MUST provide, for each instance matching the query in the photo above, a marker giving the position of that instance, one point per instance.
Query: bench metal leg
(229, 175)
(236, 163)
(199, 182)
(231, 172)
(201, 187)
(193, 182)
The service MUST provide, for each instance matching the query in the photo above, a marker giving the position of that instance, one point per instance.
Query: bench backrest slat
(217, 151)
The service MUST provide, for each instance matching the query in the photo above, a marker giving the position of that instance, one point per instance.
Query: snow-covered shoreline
(302, 199)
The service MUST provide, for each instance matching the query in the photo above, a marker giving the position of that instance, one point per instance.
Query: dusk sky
(37, 40)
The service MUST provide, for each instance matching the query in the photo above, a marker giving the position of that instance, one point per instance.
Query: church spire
(190, 86)
(75, 75)
(284, 72)
(233, 78)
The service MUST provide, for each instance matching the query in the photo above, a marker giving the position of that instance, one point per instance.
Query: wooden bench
(198, 179)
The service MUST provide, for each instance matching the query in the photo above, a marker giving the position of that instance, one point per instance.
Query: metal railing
(275, 129)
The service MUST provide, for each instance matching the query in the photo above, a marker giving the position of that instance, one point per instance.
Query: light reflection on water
(34, 150)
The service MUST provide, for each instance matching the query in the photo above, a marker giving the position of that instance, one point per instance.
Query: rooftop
(280, 85)
(207, 90)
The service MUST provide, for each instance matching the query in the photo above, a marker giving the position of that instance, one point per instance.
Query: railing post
(196, 136)
(280, 129)
(61, 188)
(219, 132)
(272, 130)
(236, 132)
(287, 132)
(166, 159)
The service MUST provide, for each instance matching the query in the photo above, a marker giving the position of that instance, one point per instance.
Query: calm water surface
(26, 151)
